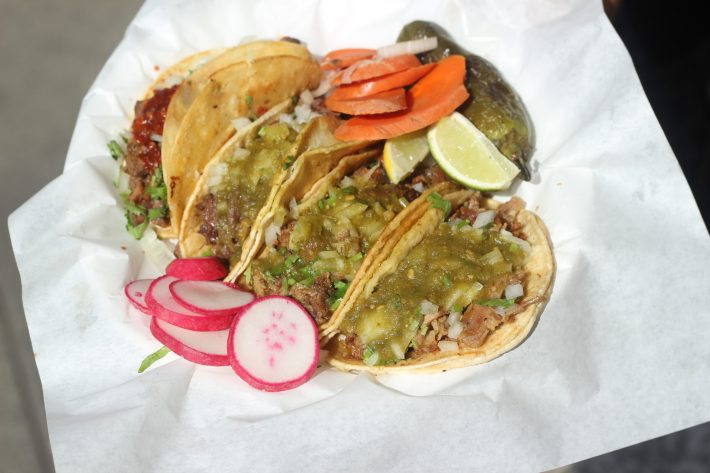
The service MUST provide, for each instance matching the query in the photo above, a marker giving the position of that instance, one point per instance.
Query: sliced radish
(204, 348)
(162, 305)
(197, 269)
(210, 297)
(273, 344)
(136, 292)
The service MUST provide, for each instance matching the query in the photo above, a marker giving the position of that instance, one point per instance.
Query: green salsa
(247, 183)
(450, 268)
(334, 235)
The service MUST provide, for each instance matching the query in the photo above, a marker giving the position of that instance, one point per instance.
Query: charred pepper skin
(494, 107)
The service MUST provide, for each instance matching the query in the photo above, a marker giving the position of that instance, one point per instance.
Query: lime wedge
(468, 156)
(402, 154)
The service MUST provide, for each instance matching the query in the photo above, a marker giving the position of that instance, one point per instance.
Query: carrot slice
(384, 102)
(367, 69)
(381, 84)
(435, 96)
(342, 58)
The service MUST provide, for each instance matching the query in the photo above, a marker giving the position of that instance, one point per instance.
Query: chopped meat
(478, 322)
(262, 285)
(407, 192)
(207, 207)
(506, 217)
(495, 288)
(431, 176)
(429, 318)
(346, 243)
(440, 327)
(315, 298)
(378, 176)
(469, 210)
(133, 164)
(285, 235)
(351, 347)
(425, 344)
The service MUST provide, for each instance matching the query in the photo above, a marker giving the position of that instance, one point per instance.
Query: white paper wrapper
(619, 355)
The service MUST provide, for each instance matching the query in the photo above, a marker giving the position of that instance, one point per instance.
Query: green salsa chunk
(450, 268)
(247, 183)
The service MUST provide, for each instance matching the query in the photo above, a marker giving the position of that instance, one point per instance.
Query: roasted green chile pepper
(494, 107)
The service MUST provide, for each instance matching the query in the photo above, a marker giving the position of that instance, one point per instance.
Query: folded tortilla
(385, 328)
(243, 89)
(263, 165)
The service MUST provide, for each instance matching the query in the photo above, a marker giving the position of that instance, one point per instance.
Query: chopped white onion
(271, 235)
(509, 237)
(427, 307)
(306, 97)
(240, 122)
(455, 330)
(484, 218)
(499, 310)
(397, 351)
(453, 318)
(293, 205)
(514, 291)
(156, 137)
(414, 46)
(419, 187)
(216, 174)
(304, 113)
(241, 153)
(347, 181)
(288, 119)
(172, 80)
(448, 345)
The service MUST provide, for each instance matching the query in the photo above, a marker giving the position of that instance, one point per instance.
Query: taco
(262, 165)
(146, 200)
(149, 158)
(244, 90)
(320, 248)
(455, 290)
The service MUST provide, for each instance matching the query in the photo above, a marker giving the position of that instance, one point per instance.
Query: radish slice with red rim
(210, 297)
(136, 291)
(273, 344)
(197, 269)
(162, 305)
(204, 348)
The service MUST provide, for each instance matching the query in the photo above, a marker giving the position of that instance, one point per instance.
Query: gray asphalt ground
(50, 53)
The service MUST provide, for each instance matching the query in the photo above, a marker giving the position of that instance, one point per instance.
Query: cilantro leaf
(152, 358)
(440, 203)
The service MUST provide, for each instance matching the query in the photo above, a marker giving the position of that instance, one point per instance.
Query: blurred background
(50, 53)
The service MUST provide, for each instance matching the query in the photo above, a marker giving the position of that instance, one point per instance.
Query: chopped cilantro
(340, 288)
(289, 161)
(135, 230)
(115, 149)
(336, 303)
(131, 207)
(160, 193)
(152, 358)
(456, 308)
(440, 203)
(291, 281)
(350, 190)
(248, 275)
(356, 257)
(330, 200)
(248, 100)
(462, 223)
(496, 302)
(157, 213)
(321, 204)
(208, 252)
(413, 325)
(290, 261)
(447, 280)
(269, 276)
(261, 132)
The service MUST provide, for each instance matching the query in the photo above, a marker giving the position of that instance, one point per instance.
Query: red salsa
(149, 121)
